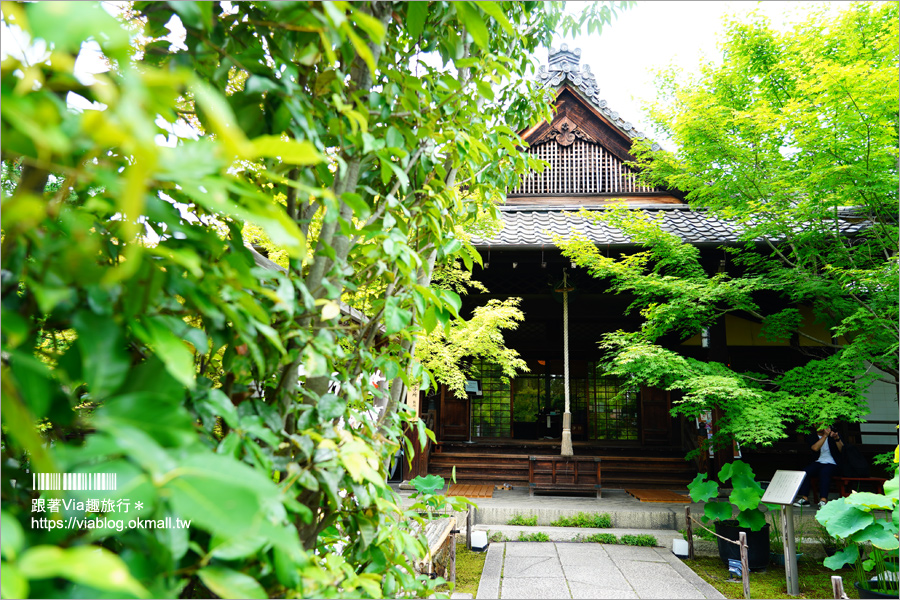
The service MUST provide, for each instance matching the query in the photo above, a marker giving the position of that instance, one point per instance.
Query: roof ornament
(564, 131)
(564, 65)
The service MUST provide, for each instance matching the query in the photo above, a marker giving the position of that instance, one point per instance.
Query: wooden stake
(837, 586)
(690, 532)
(745, 564)
(452, 576)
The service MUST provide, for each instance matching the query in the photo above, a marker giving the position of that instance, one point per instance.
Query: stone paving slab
(589, 591)
(609, 577)
(592, 555)
(532, 566)
(566, 570)
(489, 586)
(632, 553)
(534, 587)
(531, 549)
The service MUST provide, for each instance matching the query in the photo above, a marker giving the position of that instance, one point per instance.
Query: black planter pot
(778, 559)
(757, 544)
(867, 593)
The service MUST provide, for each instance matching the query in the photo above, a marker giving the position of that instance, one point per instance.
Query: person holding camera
(827, 445)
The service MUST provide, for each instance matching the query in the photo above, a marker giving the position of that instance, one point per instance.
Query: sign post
(472, 388)
(782, 490)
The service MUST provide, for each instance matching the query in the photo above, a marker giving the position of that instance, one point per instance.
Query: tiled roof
(525, 227)
(564, 66)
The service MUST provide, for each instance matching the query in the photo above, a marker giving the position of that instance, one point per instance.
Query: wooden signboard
(412, 398)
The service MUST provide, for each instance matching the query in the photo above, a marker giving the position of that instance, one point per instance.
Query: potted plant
(429, 504)
(745, 495)
(869, 523)
(830, 544)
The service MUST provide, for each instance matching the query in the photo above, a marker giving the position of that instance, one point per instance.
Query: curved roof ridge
(564, 65)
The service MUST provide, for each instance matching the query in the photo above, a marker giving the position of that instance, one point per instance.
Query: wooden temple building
(503, 432)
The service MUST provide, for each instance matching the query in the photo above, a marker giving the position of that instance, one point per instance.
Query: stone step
(511, 533)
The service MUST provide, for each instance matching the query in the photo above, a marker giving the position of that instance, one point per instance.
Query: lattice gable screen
(581, 167)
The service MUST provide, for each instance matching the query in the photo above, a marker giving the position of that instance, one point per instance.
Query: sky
(625, 57)
(654, 35)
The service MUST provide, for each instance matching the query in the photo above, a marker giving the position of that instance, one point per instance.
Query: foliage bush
(522, 520)
(260, 402)
(601, 538)
(536, 536)
(700, 533)
(792, 140)
(497, 536)
(597, 520)
(641, 539)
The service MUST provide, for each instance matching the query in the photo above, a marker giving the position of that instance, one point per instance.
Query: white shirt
(825, 456)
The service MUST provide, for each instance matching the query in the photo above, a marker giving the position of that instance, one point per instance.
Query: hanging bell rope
(566, 449)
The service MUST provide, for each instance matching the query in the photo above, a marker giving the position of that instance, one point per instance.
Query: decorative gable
(586, 148)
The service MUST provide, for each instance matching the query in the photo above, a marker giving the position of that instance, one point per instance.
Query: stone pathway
(579, 570)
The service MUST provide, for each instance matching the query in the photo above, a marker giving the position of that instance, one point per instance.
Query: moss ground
(815, 579)
(469, 566)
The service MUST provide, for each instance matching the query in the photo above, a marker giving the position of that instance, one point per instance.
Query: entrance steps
(618, 471)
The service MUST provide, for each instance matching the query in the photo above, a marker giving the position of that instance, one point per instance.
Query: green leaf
(394, 139)
(217, 505)
(67, 25)
(702, 490)
(452, 298)
(395, 318)
(415, 18)
(13, 538)
(193, 14)
(12, 583)
(744, 498)
(291, 152)
(104, 353)
(494, 10)
(330, 406)
(473, 22)
(286, 569)
(717, 511)
(174, 539)
(870, 500)
(236, 547)
(168, 347)
(89, 565)
(428, 484)
(752, 519)
(429, 319)
(34, 380)
(361, 209)
(843, 520)
(485, 89)
(848, 555)
(877, 535)
(168, 423)
(227, 583)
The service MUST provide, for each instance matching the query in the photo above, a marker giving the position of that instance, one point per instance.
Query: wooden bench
(564, 473)
(441, 558)
(846, 485)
